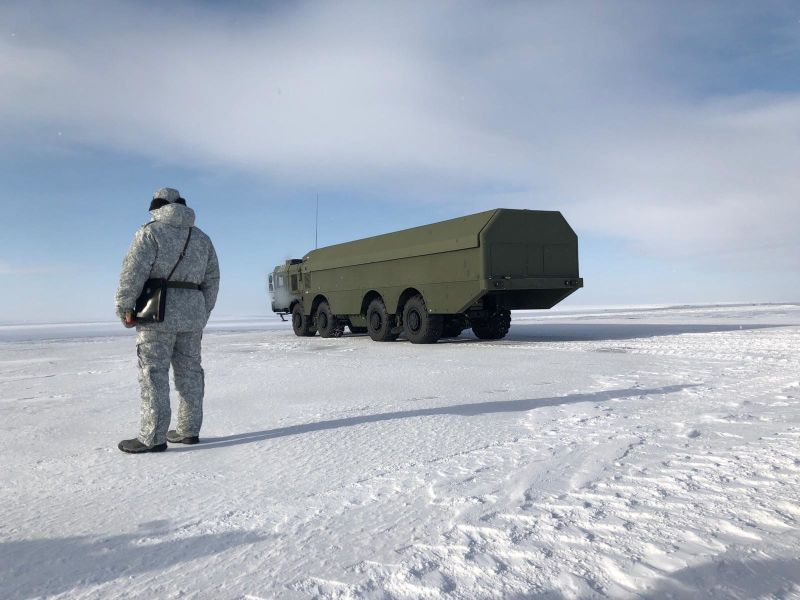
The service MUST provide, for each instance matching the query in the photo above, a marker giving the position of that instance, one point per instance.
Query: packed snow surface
(636, 453)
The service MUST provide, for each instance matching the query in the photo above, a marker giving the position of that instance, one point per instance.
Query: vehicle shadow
(731, 578)
(52, 566)
(464, 410)
(587, 332)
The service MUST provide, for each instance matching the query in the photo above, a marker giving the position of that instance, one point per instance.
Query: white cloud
(716, 176)
(16, 269)
(598, 110)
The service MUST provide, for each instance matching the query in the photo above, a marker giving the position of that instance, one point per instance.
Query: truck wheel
(302, 325)
(380, 322)
(493, 328)
(357, 329)
(453, 326)
(327, 323)
(419, 326)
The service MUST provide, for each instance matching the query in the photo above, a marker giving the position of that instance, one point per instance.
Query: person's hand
(129, 320)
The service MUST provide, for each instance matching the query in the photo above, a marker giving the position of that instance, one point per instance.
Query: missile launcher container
(432, 281)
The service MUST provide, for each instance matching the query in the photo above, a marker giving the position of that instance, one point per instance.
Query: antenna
(316, 225)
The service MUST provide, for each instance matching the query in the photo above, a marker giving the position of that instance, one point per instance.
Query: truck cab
(284, 286)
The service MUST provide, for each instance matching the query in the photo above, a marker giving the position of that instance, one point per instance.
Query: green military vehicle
(432, 281)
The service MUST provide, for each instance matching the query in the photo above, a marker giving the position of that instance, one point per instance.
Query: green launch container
(432, 281)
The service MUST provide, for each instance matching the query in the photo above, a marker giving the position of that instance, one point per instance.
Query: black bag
(152, 302)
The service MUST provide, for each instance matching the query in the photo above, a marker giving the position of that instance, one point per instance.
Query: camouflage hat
(169, 194)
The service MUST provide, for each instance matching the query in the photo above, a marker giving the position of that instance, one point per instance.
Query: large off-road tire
(357, 329)
(453, 326)
(327, 323)
(493, 328)
(379, 322)
(302, 324)
(419, 326)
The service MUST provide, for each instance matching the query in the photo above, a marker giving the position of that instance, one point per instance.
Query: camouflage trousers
(157, 350)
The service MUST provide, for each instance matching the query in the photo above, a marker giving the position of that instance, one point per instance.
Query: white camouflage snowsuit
(153, 253)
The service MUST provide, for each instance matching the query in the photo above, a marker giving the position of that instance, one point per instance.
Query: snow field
(644, 453)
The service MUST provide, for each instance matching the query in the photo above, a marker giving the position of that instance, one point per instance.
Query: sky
(668, 134)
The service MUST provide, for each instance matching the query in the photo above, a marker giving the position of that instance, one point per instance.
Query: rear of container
(529, 259)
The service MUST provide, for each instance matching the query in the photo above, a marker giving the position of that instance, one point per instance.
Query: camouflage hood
(176, 215)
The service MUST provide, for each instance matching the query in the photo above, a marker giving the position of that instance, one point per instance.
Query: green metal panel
(509, 259)
(436, 276)
(519, 258)
(542, 240)
(446, 236)
(561, 259)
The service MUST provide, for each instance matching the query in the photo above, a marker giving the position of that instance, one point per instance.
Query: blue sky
(668, 135)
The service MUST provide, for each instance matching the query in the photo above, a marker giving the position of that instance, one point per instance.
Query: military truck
(433, 281)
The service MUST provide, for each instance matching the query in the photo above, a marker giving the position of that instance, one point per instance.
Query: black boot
(134, 446)
(176, 438)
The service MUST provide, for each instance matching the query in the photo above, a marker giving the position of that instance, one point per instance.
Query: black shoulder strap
(183, 253)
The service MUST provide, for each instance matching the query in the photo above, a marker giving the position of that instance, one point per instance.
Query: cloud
(717, 176)
(12, 269)
(656, 125)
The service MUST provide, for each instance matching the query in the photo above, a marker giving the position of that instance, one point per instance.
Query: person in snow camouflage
(176, 340)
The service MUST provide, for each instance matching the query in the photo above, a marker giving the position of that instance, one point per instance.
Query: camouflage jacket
(153, 253)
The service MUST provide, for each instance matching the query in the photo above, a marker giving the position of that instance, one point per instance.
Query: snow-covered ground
(646, 453)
